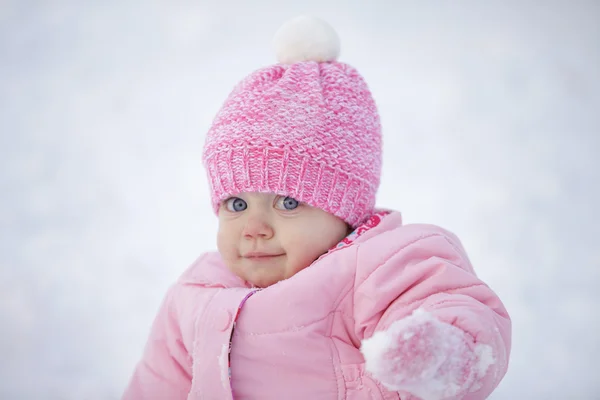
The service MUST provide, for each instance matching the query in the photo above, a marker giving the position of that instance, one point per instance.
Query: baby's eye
(287, 203)
(235, 204)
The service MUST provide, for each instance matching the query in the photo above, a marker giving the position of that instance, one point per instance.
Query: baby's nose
(258, 227)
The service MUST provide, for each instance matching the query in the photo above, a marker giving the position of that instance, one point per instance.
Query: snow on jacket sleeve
(422, 267)
(165, 370)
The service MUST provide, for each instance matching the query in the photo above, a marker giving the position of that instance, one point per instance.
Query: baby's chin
(259, 277)
(263, 277)
(262, 282)
(265, 273)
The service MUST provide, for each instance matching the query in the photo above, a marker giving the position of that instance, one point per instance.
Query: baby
(314, 293)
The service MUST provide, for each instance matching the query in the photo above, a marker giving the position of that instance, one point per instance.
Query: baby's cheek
(302, 250)
(225, 241)
(220, 241)
(299, 260)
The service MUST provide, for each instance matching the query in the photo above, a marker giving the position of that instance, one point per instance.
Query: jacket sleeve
(165, 370)
(424, 267)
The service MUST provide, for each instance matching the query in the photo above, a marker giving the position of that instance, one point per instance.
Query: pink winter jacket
(300, 338)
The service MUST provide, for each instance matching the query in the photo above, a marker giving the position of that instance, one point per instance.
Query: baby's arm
(428, 325)
(165, 370)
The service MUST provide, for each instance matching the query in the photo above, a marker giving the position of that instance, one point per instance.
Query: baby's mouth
(260, 256)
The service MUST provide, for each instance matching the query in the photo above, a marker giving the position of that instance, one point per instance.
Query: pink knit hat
(306, 128)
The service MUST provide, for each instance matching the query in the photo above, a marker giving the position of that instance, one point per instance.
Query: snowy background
(491, 125)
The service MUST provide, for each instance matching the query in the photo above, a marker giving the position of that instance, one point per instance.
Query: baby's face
(265, 238)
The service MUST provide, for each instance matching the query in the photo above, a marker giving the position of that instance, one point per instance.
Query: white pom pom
(306, 38)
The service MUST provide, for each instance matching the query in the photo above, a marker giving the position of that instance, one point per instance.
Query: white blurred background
(491, 125)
